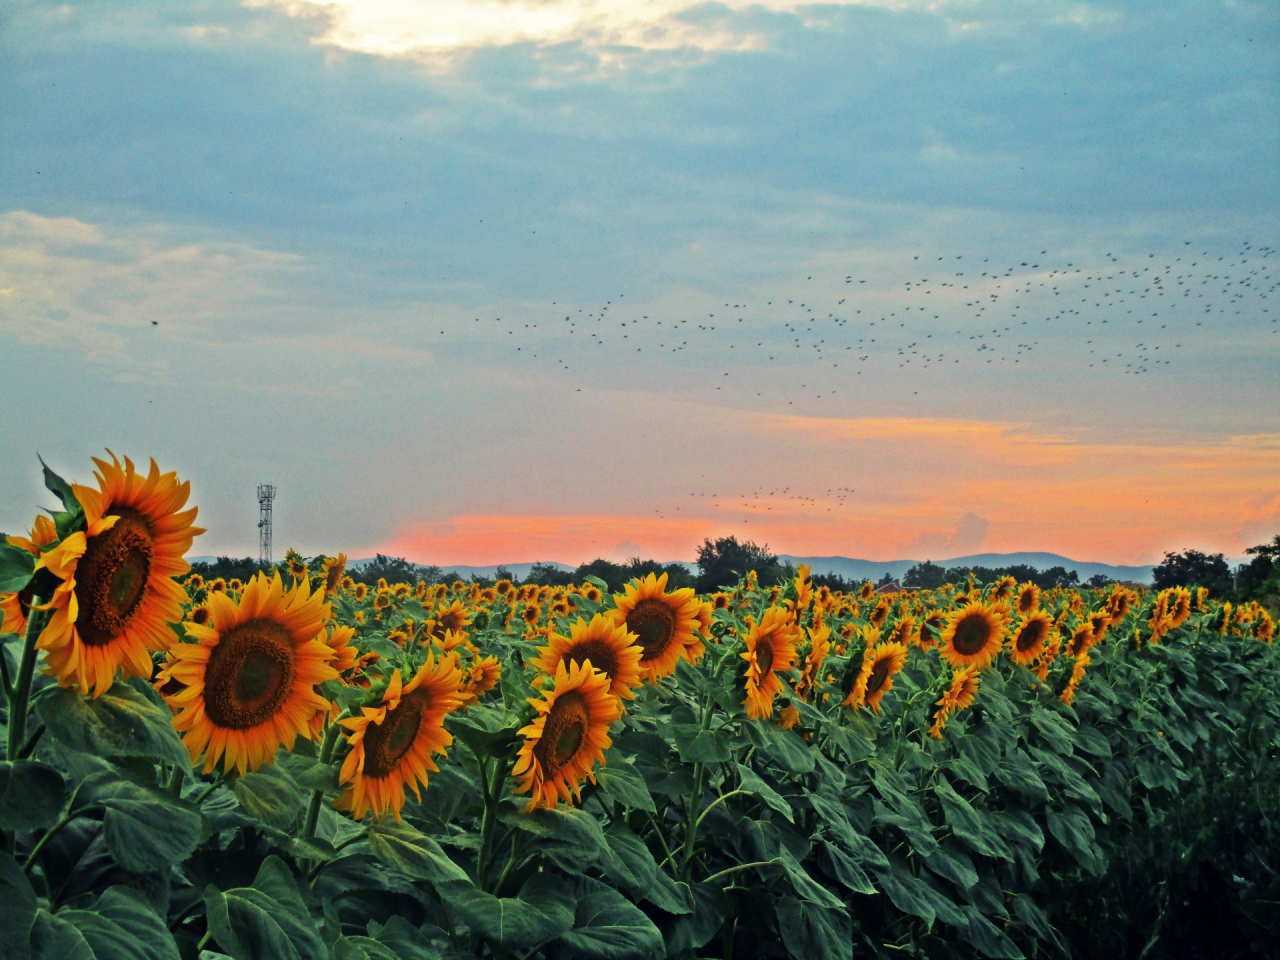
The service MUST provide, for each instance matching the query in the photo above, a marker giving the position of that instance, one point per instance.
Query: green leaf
(696, 745)
(578, 831)
(18, 905)
(404, 940)
(1017, 827)
(781, 748)
(695, 929)
(989, 940)
(270, 795)
(845, 869)
(621, 780)
(480, 728)
(1017, 772)
(16, 567)
(1073, 829)
(318, 776)
(673, 896)
(123, 926)
(754, 785)
(606, 926)
(145, 828)
(627, 860)
(403, 848)
(120, 723)
(32, 795)
(1057, 732)
(953, 863)
(905, 893)
(812, 932)
(53, 938)
(1091, 740)
(244, 928)
(967, 825)
(59, 488)
(541, 911)
(361, 948)
(851, 742)
(804, 885)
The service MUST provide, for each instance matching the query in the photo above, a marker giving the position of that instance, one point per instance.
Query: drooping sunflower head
(1180, 606)
(973, 636)
(1031, 638)
(1119, 603)
(1099, 621)
(903, 630)
(665, 624)
(451, 617)
(771, 649)
(962, 692)
(250, 678)
(1082, 638)
(604, 643)
(875, 679)
(567, 737)
(1028, 599)
(880, 613)
(866, 591)
(931, 628)
(1003, 588)
(1078, 669)
(392, 745)
(401, 591)
(118, 596)
(804, 589)
(339, 639)
(333, 570)
(481, 677)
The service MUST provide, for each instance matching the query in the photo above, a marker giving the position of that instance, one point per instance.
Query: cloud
(968, 536)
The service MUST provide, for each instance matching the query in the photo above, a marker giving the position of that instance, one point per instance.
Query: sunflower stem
(695, 799)
(20, 698)
(317, 796)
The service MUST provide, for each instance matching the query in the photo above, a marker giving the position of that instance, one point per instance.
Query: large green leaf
(1056, 731)
(266, 920)
(692, 930)
(989, 940)
(31, 795)
(804, 885)
(621, 780)
(813, 932)
(627, 860)
(781, 748)
(145, 828)
(845, 869)
(953, 863)
(1017, 772)
(1072, 828)
(606, 926)
(16, 567)
(403, 848)
(404, 940)
(270, 795)
(18, 905)
(754, 785)
(967, 825)
(121, 723)
(541, 911)
(696, 745)
(123, 926)
(576, 832)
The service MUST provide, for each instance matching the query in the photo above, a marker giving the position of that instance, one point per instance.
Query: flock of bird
(1134, 316)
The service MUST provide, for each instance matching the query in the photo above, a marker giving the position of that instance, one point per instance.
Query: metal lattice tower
(266, 493)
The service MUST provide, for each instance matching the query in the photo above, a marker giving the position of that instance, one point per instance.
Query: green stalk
(317, 796)
(20, 698)
(695, 800)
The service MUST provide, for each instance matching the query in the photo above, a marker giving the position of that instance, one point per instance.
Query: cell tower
(266, 493)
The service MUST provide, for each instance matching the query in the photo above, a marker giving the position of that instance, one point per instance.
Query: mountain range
(852, 568)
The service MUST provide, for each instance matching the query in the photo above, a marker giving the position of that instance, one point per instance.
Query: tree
(925, 576)
(228, 568)
(724, 561)
(615, 575)
(502, 573)
(1098, 581)
(549, 575)
(1260, 577)
(393, 570)
(1191, 568)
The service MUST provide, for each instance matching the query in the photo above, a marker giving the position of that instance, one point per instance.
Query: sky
(486, 281)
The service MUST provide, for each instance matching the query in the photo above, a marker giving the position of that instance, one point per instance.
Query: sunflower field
(301, 766)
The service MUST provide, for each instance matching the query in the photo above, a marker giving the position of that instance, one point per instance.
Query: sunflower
(569, 735)
(15, 607)
(1264, 628)
(1082, 638)
(1077, 674)
(194, 583)
(118, 596)
(866, 591)
(880, 614)
(903, 630)
(804, 589)
(360, 591)
(401, 591)
(339, 641)
(333, 570)
(297, 566)
(1180, 606)
(1099, 621)
(959, 696)
(250, 678)
(482, 676)
(1119, 603)
(819, 647)
(790, 715)
(382, 601)
(199, 615)
(720, 601)
(605, 644)
(1003, 588)
(392, 744)
(236, 585)
(1028, 601)
(931, 628)
(665, 624)
(973, 636)
(530, 613)
(451, 617)
(503, 587)
(771, 649)
(875, 679)
(1202, 598)
(217, 585)
(1031, 638)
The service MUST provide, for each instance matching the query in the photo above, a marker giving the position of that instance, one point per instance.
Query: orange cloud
(887, 488)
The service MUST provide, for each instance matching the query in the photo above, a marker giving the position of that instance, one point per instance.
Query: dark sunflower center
(972, 634)
(1030, 635)
(564, 732)
(602, 656)
(249, 675)
(764, 654)
(1080, 641)
(879, 674)
(879, 615)
(1025, 602)
(655, 624)
(386, 743)
(111, 578)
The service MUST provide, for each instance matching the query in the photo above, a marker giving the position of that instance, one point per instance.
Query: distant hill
(852, 569)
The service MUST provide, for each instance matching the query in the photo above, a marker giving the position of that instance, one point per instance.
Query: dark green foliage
(724, 561)
(618, 574)
(549, 575)
(930, 576)
(1191, 568)
(393, 570)
(228, 568)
